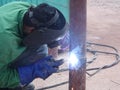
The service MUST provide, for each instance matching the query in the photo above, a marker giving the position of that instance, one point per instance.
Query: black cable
(94, 52)
(53, 86)
(102, 45)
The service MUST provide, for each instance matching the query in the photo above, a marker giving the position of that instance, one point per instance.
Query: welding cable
(104, 52)
(48, 87)
(89, 43)
(100, 68)
(91, 60)
(106, 66)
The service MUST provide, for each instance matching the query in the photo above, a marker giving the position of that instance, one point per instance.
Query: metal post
(77, 73)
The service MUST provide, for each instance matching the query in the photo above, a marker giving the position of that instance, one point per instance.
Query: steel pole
(77, 73)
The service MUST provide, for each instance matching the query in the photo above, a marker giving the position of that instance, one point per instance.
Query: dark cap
(48, 16)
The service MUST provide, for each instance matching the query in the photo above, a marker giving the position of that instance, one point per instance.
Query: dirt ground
(103, 27)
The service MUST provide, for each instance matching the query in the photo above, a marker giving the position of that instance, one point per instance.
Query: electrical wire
(95, 52)
(53, 86)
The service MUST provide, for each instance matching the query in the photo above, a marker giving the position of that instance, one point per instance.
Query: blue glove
(42, 69)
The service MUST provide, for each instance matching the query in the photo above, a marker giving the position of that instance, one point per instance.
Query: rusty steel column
(77, 72)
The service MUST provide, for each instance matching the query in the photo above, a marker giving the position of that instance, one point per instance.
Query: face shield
(44, 36)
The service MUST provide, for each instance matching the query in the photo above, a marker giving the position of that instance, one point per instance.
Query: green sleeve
(9, 49)
(9, 78)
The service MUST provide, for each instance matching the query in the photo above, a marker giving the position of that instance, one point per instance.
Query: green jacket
(11, 16)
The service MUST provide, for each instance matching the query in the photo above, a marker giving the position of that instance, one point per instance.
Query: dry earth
(103, 27)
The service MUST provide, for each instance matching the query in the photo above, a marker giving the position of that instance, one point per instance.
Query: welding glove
(41, 69)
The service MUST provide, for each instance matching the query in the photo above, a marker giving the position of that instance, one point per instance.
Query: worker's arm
(30, 56)
(9, 50)
(12, 77)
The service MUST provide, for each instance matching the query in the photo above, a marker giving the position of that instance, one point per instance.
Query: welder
(26, 33)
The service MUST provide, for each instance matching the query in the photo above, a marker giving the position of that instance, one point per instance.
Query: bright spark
(74, 59)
